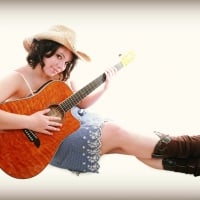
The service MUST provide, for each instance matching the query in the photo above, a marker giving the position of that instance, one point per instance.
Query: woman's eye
(59, 56)
(68, 64)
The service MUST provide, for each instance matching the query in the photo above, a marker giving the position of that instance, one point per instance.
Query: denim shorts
(80, 151)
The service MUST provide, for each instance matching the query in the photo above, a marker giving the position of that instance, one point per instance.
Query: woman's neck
(39, 74)
(36, 77)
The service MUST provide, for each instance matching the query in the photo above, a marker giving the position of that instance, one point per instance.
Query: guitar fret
(78, 96)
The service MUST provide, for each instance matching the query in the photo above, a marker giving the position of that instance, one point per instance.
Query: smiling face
(57, 63)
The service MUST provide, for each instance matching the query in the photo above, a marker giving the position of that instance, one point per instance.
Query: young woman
(52, 56)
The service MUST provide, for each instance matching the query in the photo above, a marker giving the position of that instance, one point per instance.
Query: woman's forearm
(12, 121)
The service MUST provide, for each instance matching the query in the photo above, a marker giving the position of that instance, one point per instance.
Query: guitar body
(19, 157)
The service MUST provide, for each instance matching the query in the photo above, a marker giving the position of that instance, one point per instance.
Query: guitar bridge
(32, 137)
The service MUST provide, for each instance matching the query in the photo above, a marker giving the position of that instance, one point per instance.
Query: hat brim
(57, 37)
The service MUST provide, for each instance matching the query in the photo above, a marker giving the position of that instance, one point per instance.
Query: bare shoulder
(9, 84)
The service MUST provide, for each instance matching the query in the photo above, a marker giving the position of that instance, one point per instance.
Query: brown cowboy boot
(187, 166)
(177, 147)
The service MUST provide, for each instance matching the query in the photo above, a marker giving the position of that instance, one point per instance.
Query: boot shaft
(177, 147)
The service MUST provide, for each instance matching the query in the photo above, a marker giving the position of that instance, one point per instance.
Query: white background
(159, 90)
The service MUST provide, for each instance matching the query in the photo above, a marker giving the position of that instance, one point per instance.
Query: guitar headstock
(127, 58)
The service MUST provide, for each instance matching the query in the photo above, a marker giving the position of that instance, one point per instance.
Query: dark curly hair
(47, 48)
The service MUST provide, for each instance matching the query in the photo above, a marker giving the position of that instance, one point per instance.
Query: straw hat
(60, 34)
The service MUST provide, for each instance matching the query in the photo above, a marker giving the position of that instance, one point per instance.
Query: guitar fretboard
(82, 93)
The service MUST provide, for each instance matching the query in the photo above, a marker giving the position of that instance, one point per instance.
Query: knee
(112, 138)
(113, 130)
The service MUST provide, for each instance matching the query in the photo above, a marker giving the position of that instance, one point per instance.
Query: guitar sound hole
(56, 111)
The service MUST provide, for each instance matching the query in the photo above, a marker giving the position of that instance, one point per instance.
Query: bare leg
(154, 163)
(116, 139)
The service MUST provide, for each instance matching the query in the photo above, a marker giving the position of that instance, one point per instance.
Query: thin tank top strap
(27, 83)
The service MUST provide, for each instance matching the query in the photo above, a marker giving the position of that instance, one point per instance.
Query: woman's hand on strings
(42, 123)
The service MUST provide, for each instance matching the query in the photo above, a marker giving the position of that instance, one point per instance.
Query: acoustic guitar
(25, 153)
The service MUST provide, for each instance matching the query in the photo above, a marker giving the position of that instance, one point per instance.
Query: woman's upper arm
(8, 85)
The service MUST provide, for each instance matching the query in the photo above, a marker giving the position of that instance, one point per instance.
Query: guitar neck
(79, 95)
(86, 90)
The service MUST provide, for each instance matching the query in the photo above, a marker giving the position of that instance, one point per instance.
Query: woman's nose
(61, 66)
